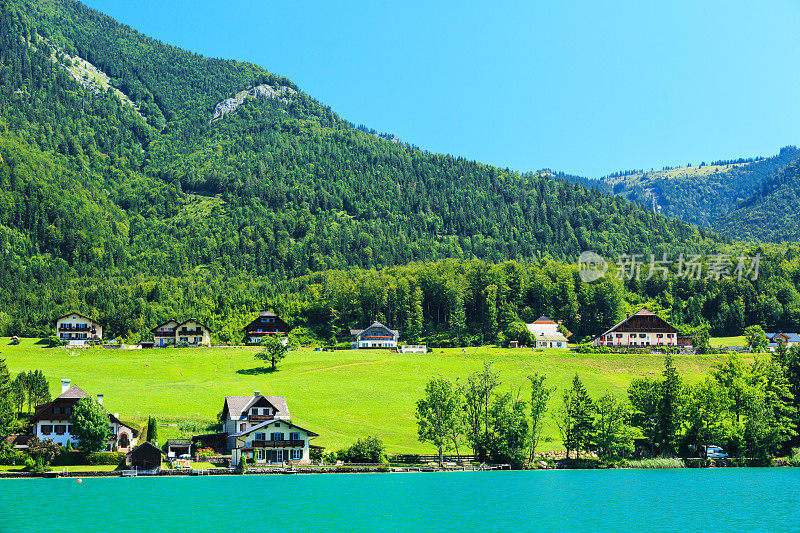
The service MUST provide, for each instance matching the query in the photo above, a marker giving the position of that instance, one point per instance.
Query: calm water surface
(618, 500)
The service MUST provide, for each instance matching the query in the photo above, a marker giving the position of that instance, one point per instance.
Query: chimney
(257, 393)
(65, 385)
(100, 399)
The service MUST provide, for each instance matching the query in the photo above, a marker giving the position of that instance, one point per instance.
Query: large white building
(52, 421)
(375, 336)
(545, 333)
(76, 329)
(259, 427)
(189, 332)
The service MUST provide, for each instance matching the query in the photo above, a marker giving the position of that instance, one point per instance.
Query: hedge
(105, 458)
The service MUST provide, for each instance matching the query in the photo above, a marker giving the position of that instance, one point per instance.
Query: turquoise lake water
(616, 500)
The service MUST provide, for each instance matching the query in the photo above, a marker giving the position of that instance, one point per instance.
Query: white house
(546, 334)
(259, 427)
(787, 339)
(76, 329)
(52, 421)
(375, 336)
(272, 442)
(240, 413)
(172, 332)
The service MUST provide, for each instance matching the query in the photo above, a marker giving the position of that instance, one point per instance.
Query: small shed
(145, 457)
(178, 447)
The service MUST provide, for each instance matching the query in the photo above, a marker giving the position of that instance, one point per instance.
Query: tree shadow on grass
(256, 371)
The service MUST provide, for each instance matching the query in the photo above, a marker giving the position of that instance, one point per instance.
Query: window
(242, 427)
(198, 340)
(277, 436)
(69, 430)
(68, 410)
(642, 335)
(294, 436)
(261, 454)
(56, 410)
(260, 436)
(47, 429)
(61, 429)
(277, 425)
(619, 335)
(297, 454)
(184, 339)
(659, 335)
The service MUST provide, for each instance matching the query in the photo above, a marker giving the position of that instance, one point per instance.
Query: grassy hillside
(341, 395)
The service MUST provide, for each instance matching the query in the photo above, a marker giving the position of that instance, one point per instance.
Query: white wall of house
(286, 453)
(76, 330)
(59, 431)
(639, 339)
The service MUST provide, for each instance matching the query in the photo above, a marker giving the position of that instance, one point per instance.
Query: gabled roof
(356, 332)
(640, 313)
(267, 314)
(790, 337)
(544, 320)
(552, 338)
(238, 405)
(78, 314)
(144, 447)
(269, 423)
(164, 324)
(73, 392)
(193, 320)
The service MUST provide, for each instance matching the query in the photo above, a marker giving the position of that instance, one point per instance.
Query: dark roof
(195, 321)
(356, 332)
(640, 313)
(269, 423)
(237, 405)
(164, 323)
(544, 320)
(144, 448)
(80, 315)
(268, 314)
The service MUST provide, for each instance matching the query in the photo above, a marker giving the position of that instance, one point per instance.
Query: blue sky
(583, 87)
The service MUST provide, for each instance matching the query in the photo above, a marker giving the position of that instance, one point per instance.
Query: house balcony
(77, 329)
(278, 443)
(163, 333)
(185, 331)
(260, 418)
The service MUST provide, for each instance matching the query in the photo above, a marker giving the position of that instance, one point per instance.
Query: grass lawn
(340, 395)
(724, 342)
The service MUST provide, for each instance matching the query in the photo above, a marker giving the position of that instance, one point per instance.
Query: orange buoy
(80, 480)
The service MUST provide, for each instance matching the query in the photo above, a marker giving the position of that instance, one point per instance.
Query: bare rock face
(282, 93)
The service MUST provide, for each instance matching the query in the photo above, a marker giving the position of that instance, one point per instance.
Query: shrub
(365, 450)
(794, 460)
(658, 462)
(10, 456)
(53, 341)
(242, 466)
(105, 458)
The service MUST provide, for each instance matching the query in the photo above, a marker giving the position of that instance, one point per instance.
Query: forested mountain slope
(706, 194)
(126, 196)
(772, 213)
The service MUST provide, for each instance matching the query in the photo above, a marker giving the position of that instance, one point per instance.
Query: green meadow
(341, 395)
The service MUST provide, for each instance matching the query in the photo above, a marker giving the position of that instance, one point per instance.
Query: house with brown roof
(189, 332)
(375, 336)
(545, 333)
(259, 427)
(76, 329)
(52, 421)
(266, 324)
(643, 328)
